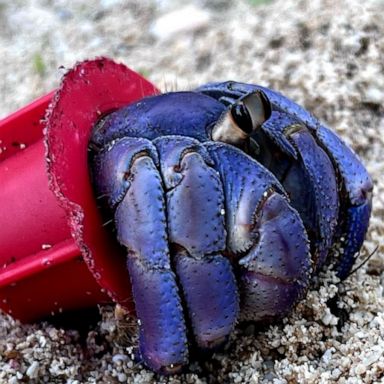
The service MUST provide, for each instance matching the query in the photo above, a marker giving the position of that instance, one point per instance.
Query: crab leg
(321, 180)
(197, 234)
(356, 198)
(265, 235)
(129, 177)
(356, 191)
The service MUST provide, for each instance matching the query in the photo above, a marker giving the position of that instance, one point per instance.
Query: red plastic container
(55, 254)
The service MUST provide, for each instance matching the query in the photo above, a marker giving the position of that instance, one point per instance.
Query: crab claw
(154, 191)
(265, 235)
(135, 193)
(195, 202)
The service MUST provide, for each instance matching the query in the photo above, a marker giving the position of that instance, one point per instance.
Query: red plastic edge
(88, 91)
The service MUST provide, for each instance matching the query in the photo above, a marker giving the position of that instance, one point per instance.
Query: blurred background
(185, 43)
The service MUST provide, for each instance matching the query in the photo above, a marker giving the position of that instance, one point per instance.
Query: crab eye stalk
(243, 118)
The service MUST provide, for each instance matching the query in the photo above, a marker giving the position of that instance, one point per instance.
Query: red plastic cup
(55, 254)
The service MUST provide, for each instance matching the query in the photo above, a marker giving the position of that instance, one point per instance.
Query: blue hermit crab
(227, 200)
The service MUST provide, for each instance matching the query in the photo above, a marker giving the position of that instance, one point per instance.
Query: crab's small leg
(356, 184)
(356, 198)
(127, 174)
(322, 182)
(195, 203)
(265, 235)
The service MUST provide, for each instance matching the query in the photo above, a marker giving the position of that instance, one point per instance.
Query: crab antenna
(241, 119)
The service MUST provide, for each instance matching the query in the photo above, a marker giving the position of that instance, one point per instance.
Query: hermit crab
(227, 198)
(224, 201)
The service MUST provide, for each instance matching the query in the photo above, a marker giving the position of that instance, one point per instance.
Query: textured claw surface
(227, 200)
(245, 183)
(163, 341)
(142, 229)
(116, 164)
(276, 270)
(210, 292)
(161, 115)
(265, 234)
(194, 223)
(197, 230)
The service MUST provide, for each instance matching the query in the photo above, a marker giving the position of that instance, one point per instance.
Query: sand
(326, 55)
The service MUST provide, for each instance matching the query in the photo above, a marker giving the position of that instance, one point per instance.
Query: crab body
(227, 200)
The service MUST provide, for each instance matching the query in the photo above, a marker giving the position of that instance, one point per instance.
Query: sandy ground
(327, 55)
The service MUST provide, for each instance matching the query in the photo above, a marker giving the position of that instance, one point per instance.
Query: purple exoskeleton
(227, 199)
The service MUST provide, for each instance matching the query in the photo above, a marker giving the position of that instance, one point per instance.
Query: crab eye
(251, 112)
(242, 118)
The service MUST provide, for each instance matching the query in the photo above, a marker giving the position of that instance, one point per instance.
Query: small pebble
(181, 21)
(33, 370)
(122, 377)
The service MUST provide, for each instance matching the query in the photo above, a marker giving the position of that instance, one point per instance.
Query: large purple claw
(142, 228)
(277, 270)
(155, 191)
(265, 235)
(195, 202)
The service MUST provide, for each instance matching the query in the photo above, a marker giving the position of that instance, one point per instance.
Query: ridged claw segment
(265, 235)
(281, 244)
(141, 227)
(211, 294)
(245, 182)
(195, 204)
(163, 343)
(113, 166)
(195, 201)
(276, 271)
